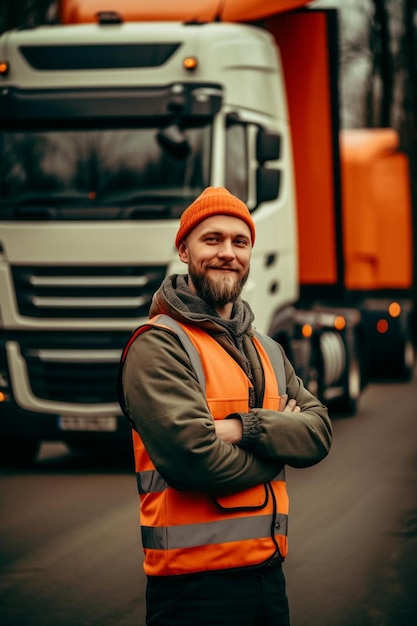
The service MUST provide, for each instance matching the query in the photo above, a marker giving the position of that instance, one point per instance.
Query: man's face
(218, 252)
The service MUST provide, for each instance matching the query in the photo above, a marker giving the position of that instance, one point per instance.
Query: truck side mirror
(267, 184)
(268, 146)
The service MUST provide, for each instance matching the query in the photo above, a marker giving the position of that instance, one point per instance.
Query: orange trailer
(378, 243)
(377, 225)
(353, 200)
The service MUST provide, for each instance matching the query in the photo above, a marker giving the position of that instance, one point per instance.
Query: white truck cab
(107, 133)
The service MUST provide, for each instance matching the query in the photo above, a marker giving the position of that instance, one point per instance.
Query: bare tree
(381, 80)
(408, 66)
(408, 116)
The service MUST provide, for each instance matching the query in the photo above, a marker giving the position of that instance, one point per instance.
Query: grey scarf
(176, 298)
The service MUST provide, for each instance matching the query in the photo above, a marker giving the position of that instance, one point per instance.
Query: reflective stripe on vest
(182, 537)
(186, 532)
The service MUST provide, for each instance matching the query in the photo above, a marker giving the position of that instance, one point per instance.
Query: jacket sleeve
(297, 439)
(169, 411)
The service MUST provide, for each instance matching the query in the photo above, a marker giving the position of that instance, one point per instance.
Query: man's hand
(229, 430)
(288, 406)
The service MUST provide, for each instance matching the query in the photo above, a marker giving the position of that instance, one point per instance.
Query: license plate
(87, 423)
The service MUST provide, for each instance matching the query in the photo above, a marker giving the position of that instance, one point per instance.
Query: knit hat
(213, 201)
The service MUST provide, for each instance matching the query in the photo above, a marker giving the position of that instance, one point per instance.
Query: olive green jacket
(168, 408)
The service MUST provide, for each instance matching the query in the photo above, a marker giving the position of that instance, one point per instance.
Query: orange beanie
(213, 201)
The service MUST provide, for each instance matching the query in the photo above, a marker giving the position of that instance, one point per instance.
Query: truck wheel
(349, 402)
(406, 367)
(398, 362)
(16, 452)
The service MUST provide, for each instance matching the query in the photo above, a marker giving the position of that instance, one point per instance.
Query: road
(70, 548)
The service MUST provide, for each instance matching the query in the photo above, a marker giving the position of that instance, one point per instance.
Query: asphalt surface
(70, 549)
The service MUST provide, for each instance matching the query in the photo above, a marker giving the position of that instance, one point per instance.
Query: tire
(348, 404)
(406, 367)
(398, 361)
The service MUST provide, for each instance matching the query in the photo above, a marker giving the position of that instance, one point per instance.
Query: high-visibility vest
(185, 532)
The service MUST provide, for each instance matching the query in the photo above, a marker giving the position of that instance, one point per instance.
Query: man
(215, 422)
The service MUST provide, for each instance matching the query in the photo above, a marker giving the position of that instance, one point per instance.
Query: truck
(111, 122)
(378, 246)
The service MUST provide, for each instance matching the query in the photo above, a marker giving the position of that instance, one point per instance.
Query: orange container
(376, 210)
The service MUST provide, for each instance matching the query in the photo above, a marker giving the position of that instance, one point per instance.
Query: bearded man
(217, 411)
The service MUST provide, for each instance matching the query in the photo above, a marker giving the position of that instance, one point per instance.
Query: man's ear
(183, 252)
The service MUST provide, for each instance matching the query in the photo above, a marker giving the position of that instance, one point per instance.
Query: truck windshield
(96, 174)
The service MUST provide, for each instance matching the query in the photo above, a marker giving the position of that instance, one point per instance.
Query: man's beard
(217, 292)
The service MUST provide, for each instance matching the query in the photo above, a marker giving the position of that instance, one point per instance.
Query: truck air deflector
(98, 56)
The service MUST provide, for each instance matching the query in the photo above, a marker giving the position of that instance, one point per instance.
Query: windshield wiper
(45, 198)
(152, 204)
(151, 196)
(127, 205)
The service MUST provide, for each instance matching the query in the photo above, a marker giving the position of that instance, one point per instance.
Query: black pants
(255, 597)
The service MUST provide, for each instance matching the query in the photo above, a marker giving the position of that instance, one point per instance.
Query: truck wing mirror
(267, 184)
(268, 146)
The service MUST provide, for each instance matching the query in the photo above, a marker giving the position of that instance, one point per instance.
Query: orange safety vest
(185, 532)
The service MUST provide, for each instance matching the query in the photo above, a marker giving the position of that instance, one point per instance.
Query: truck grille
(79, 292)
(72, 379)
(53, 370)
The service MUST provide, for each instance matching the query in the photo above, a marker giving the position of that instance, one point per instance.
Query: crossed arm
(231, 430)
(193, 451)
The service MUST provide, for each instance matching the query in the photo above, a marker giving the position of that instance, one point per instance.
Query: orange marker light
(340, 322)
(382, 326)
(2, 396)
(394, 309)
(307, 330)
(190, 63)
(4, 68)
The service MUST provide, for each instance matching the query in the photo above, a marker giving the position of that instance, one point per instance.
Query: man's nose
(226, 249)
